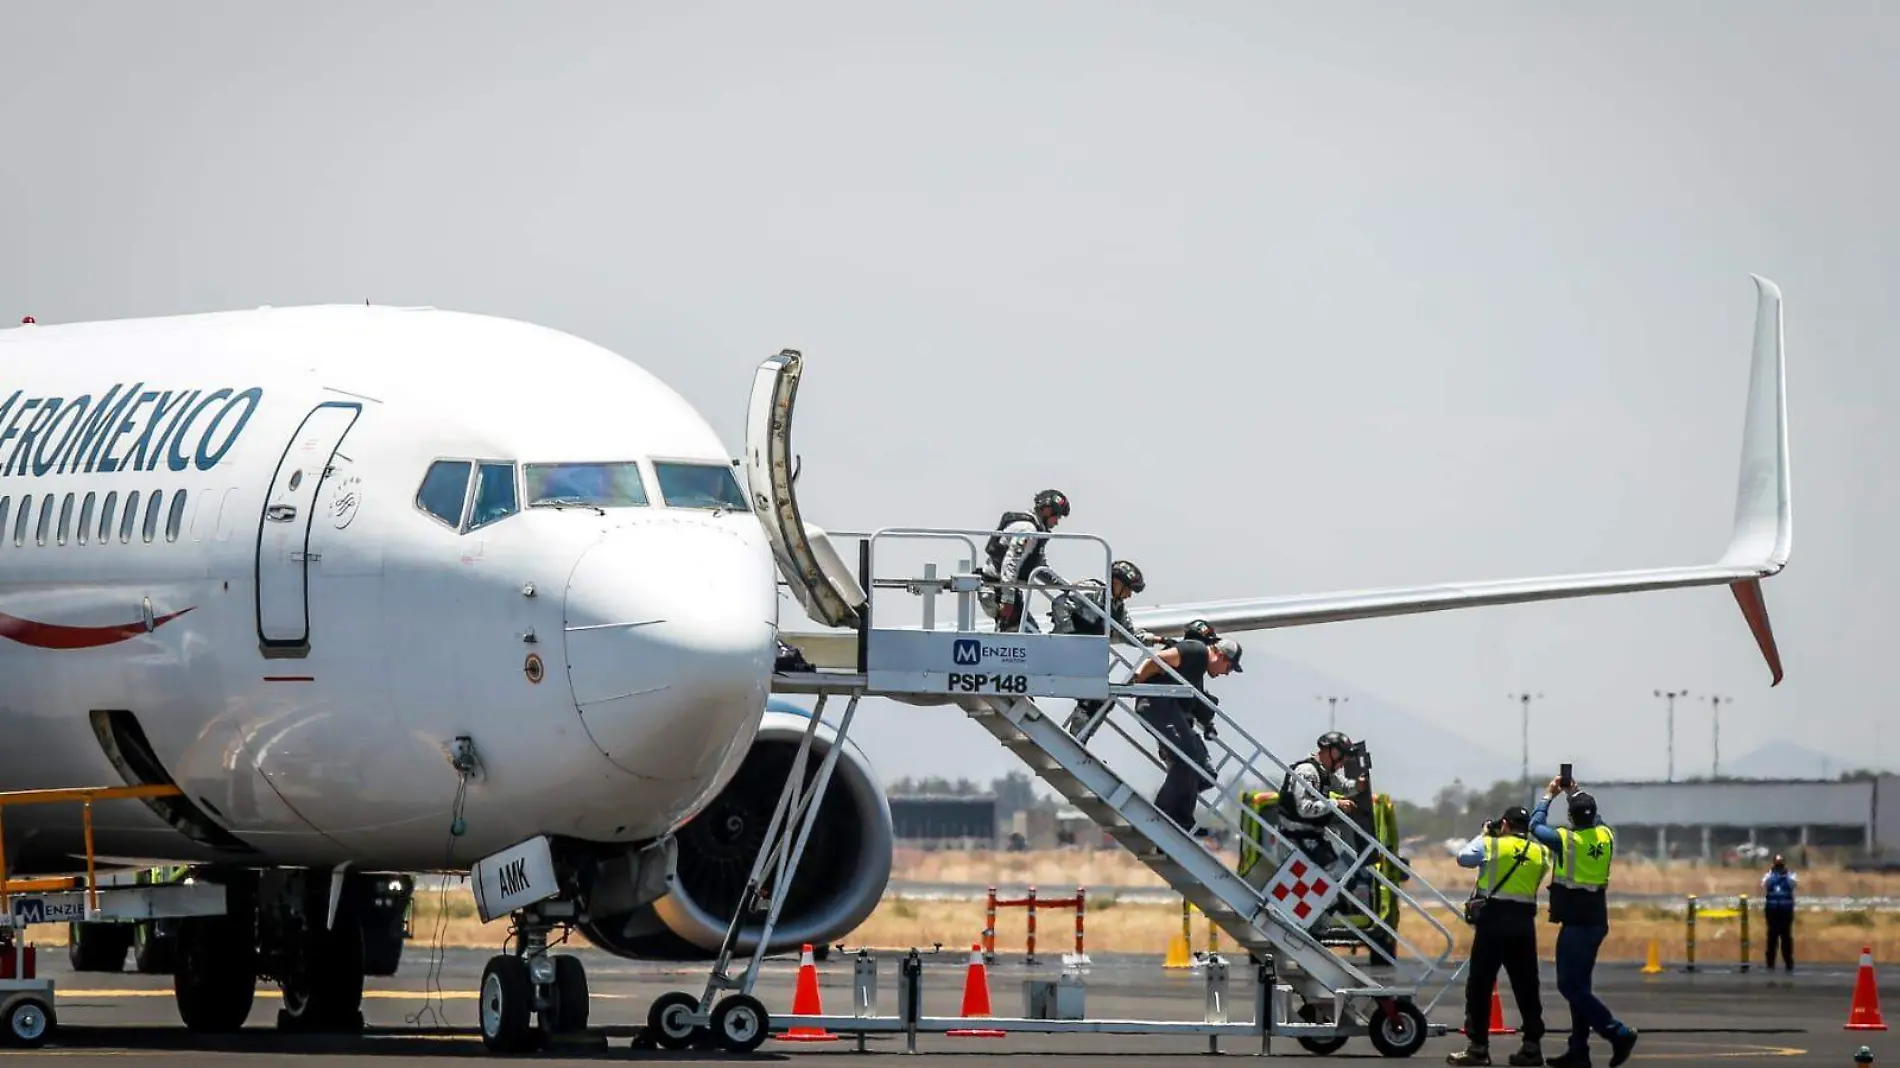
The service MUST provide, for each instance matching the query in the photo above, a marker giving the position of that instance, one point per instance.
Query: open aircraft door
(824, 586)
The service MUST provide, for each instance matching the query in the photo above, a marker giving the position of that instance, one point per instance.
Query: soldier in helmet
(1079, 611)
(1013, 553)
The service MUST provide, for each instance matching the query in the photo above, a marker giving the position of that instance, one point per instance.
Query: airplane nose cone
(670, 643)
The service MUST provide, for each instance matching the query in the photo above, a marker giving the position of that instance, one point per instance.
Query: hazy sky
(1368, 294)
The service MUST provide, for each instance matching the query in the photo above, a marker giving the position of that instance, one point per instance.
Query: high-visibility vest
(1586, 860)
(1500, 857)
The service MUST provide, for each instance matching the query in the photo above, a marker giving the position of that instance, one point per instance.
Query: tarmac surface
(427, 1012)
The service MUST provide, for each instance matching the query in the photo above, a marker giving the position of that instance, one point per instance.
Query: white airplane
(390, 590)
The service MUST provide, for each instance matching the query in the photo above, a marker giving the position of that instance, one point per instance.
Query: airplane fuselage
(299, 552)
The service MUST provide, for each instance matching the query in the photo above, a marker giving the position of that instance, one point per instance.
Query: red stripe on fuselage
(57, 636)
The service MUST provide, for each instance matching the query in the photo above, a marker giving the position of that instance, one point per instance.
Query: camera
(1358, 759)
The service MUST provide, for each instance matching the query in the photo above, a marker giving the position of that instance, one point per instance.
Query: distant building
(966, 820)
(1705, 819)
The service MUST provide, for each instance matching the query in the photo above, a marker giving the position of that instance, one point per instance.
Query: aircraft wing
(1758, 547)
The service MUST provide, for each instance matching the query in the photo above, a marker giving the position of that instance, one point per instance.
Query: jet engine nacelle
(841, 877)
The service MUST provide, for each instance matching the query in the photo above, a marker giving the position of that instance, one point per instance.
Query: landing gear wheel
(669, 1020)
(216, 977)
(153, 953)
(1400, 1032)
(30, 1023)
(507, 998)
(1319, 1047)
(326, 994)
(97, 947)
(570, 997)
(739, 1023)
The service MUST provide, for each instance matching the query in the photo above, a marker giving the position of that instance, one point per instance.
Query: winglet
(1764, 519)
(1764, 515)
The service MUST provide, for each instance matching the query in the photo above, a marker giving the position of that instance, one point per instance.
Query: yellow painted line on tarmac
(1740, 1052)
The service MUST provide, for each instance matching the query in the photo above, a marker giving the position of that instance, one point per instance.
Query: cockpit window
(700, 486)
(494, 494)
(585, 485)
(444, 491)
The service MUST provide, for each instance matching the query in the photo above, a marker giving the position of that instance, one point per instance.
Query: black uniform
(1174, 719)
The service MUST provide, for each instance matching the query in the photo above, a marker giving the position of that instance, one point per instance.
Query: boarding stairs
(1283, 913)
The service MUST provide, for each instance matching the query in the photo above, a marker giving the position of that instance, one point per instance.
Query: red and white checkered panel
(1301, 889)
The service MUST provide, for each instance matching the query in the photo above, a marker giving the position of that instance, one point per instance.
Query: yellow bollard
(1180, 947)
(1690, 937)
(1653, 966)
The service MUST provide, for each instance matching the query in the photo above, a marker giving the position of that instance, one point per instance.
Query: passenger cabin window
(106, 514)
(6, 506)
(84, 529)
(65, 518)
(596, 485)
(175, 519)
(445, 490)
(152, 504)
(131, 517)
(46, 519)
(26, 513)
(685, 485)
(494, 495)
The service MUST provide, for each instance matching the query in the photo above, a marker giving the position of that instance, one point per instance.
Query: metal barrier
(1696, 912)
(1030, 902)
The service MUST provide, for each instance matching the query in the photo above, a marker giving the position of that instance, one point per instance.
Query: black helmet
(1583, 808)
(1053, 501)
(1129, 574)
(1335, 740)
(1201, 631)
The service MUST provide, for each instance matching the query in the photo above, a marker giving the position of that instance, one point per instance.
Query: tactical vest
(1289, 798)
(998, 546)
(1778, 891)
(1500, 857)
(1086, 614)
(1586, 860)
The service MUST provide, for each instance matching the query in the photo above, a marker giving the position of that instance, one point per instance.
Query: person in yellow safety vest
(1504, 934)
(1578, 889)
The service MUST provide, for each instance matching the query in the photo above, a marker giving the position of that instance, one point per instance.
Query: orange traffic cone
(1864, 1014)
(1497, 1017)
(805, 1002)
(976, 998)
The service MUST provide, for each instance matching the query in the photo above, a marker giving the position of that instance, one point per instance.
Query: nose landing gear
(530, 996)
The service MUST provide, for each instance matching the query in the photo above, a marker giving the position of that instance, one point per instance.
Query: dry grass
(1821, 937)
(1145, 929)
(1062, 870)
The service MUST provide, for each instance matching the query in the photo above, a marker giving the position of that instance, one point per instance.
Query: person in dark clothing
(1079, 611)
(1174, 717)
(1013, 553)
(1510, 869)
(1583, 855)
(1777, 891)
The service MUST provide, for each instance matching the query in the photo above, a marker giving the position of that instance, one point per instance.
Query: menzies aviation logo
(970, 652)
(122, 429)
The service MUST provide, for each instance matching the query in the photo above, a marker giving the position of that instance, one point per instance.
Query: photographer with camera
(1578, 888)
(1502, 912)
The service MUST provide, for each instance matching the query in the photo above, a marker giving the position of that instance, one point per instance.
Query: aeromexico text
(124, 428)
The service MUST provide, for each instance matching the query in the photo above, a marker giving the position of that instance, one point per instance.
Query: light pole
(1524, 776)
(1715, 721)
(1332, 710)
(1671, 696)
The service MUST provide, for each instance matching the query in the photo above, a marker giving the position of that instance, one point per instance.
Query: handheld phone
(1563, 777)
